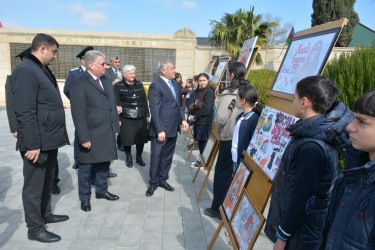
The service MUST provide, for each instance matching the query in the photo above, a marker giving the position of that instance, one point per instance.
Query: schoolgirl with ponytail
(246, 122)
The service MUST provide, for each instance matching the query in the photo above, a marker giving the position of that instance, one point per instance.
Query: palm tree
(234, 29)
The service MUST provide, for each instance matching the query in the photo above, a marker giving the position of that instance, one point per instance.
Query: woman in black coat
(135, 114)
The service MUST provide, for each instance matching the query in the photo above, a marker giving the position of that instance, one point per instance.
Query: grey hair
(91, 56)
(114, 57)
(163, 65)
(127, 68)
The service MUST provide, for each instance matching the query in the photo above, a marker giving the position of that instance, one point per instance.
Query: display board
(246, 223)
(306, 56)
(240, 179)
(219, 73)
(247, 51)
(270, 139)
(210, 66)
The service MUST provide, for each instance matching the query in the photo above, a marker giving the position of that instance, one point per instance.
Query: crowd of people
(312, 206)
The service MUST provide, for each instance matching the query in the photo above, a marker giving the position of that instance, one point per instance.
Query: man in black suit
(96, 121)
(36, 97)
(166, 117)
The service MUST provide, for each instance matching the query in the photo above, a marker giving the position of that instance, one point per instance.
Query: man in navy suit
(166, 117)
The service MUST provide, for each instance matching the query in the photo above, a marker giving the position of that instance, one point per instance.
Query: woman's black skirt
(133, 131)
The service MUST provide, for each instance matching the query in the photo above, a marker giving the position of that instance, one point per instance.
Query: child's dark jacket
(326, 130)
(351, 216)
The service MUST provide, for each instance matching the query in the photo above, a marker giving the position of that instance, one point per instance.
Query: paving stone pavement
(167, 220)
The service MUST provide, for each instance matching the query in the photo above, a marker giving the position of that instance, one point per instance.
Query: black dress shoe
(120, 147)
(75, 165)
(166, 186)
(44, 236)
(107, 196)
(150, 191)
(56, 218)
(111, 175)
(85, 205)
(212, 213)
(129, 161)
(55, 189)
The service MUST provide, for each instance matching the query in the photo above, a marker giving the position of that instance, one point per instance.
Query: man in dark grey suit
(166, 117)
(113, 72)
(96, 121)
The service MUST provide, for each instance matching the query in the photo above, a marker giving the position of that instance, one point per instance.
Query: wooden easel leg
(196, 174)
(204, 184)
(212, 242)
(192, 148)
(187, 144)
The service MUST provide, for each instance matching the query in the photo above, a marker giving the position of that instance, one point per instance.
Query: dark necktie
(98, 81)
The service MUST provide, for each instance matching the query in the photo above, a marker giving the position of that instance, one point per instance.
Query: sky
(155, 16)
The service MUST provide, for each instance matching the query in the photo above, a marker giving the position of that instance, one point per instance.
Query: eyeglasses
(102, 64)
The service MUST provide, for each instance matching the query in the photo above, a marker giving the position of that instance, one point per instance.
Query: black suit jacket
(166, 111)
(95, 118)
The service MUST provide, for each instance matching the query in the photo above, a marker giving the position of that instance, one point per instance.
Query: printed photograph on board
(306, 56)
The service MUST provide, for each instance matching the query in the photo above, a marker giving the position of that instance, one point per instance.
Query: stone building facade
(191, 56)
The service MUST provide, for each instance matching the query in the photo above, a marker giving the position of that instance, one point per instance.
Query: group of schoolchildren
(312, 205)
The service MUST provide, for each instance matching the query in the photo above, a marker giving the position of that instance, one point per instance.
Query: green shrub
(262, 80)
(353, 73)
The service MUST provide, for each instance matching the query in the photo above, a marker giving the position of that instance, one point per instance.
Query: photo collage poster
(306, 56)
(238, 183)
(246, 223)
(270, 139)
(247, 51)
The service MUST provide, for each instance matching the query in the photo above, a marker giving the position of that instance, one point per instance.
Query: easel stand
(209, 162)
(259, 189)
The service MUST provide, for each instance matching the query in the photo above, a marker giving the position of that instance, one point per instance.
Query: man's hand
(87, 145)
(148, 119)
(185, 126)
(119, 110)
(161, 137)
(15, 134)
(279, 245)
(117, 134)
(33, 155)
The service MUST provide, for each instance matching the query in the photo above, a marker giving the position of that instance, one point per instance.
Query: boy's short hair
(365, 104)
(320, 90)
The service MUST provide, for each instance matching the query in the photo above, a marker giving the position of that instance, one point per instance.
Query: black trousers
(223, 174)
(36, 192)
(84, 179)
(161, 159)
(139, 147)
